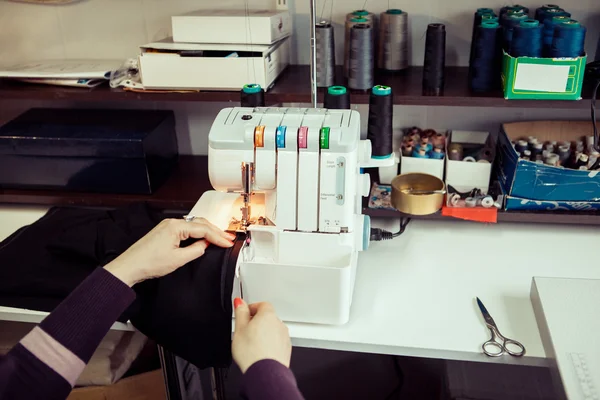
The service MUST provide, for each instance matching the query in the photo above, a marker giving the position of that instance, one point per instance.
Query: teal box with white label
(530, 78)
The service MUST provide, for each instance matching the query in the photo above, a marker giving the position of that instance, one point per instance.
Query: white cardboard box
(184, 66)
(463, 175)
(566, 311)
(427, 166)
(232, 26)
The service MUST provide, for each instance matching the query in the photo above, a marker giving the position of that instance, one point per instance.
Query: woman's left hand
(158, 253)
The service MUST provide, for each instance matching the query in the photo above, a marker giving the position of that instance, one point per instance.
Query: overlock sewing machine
(291, 179)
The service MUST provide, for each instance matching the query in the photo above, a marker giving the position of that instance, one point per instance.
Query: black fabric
(187, 312)
(42, 263)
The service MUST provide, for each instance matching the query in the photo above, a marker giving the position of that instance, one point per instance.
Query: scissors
(494, 348)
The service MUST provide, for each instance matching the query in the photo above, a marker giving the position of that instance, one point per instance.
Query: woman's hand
(158, 253)
(259, 335)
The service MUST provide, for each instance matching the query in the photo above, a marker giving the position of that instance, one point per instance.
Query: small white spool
(487, 202)
(471, 202)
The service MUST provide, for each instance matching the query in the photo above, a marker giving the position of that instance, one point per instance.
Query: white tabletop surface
(415, 295)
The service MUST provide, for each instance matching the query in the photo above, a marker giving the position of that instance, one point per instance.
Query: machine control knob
(364, 184)
(364, 151)
(366, 236)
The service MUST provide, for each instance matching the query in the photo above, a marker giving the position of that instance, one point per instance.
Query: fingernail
(231, 236)
(237, 302)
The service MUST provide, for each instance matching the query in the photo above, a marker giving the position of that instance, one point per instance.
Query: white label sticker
(542, 78)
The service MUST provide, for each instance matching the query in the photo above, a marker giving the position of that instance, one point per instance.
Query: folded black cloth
(188, 312)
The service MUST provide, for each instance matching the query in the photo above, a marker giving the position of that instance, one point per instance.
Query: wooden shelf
(294, 87)
(183, 189)
(529, 217)
(190, 180)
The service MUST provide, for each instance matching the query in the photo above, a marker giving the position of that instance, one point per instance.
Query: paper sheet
(61, 69)
(542, 78)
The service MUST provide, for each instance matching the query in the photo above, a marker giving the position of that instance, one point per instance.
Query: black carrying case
(110, 151)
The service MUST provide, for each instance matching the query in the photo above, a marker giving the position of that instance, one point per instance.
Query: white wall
(92, 28)
(115, 28)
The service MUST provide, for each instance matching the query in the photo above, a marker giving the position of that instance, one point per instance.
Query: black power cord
(378, 234)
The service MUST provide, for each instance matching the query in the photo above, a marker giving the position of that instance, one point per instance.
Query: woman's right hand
(259, 335)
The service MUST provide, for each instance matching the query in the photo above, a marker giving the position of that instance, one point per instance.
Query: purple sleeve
(47, 361)
(269, 380)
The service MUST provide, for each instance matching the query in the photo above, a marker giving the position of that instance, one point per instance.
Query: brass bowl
(421, 203)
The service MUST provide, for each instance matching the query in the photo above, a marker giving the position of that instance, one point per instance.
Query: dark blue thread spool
(527, 39)
(490, 17)
(480, 15)
(477, 17)
(539, 12)
(549, 19)
(550, 13)
(508, 22)
(484, 70)
(516, 8)
(569, 40)
(512, 18)
(548, 32)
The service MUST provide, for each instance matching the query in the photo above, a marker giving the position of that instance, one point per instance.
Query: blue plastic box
(528, 180)
(512, 203)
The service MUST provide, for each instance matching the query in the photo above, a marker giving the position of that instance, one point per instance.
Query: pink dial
(303, 137)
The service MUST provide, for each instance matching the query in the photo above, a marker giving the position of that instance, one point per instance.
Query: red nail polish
(237, 302)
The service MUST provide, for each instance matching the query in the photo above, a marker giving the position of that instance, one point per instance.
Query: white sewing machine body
(302, 169)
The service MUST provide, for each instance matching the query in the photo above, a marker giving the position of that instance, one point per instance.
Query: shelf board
(530, 217)
(190, 179)
(182, 190)
(293, 86)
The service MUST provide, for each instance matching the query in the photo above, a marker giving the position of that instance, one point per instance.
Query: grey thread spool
(360, 71)
(349, 24)
(393, 41)
(325, 55)
(353, 18)
(361, 14)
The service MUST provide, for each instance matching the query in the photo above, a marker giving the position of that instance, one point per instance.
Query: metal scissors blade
(492, 347)
(486, 315)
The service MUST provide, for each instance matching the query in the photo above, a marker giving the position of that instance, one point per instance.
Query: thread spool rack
(293, 86)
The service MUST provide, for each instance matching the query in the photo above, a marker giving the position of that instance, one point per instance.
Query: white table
(415, 295)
